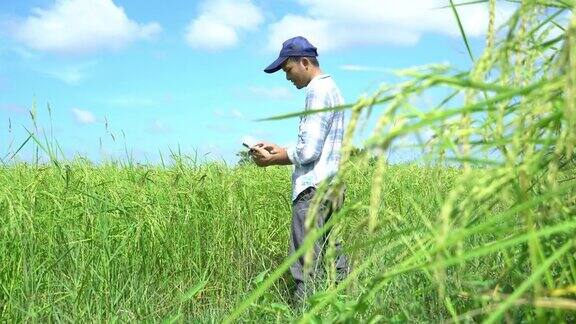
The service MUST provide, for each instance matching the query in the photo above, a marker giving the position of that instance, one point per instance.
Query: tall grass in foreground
(499, 244)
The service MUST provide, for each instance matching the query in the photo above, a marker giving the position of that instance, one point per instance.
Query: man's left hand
(270, 147)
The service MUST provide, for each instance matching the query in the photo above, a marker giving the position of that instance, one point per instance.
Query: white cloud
(316, 30)
(273, 93)
(80, 27)
(83, 116)
(334, 24)
(219, 23)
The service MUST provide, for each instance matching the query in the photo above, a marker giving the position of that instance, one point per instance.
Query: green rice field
(479, 227)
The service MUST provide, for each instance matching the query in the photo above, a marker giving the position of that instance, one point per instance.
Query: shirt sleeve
(312, 132)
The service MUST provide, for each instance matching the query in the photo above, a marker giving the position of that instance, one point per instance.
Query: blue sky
(149, 76)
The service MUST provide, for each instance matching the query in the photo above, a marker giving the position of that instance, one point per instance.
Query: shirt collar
(318, 77)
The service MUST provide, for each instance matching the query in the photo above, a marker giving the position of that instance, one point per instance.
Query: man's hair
(312, 59)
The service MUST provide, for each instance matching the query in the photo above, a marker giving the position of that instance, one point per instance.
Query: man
(316, 154)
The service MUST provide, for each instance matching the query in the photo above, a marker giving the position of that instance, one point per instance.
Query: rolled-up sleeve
(312, 131)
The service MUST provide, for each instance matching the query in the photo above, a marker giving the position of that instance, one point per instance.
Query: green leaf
(462, 32)
(194, 291)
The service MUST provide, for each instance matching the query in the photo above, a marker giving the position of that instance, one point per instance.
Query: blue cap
(297, 46)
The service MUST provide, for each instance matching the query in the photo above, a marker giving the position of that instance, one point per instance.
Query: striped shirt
(316, 155)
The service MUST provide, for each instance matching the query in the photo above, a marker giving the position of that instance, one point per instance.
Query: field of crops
(137, 243)
(191, 242)
(480, 228)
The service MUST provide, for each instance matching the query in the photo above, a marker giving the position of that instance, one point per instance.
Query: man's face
(296, 72)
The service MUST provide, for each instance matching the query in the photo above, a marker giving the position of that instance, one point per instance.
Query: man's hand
(261, 156)
(270, 147)
(265, 154)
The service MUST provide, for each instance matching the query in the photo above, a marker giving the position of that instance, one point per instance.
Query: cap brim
(276, 65)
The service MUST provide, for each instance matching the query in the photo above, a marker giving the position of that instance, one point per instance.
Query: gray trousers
(298, 233)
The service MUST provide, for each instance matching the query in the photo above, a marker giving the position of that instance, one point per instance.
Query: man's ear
(305, 62)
